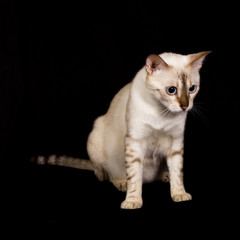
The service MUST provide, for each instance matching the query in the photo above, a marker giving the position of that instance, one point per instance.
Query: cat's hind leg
(164, 176)
(100, 172)
(121, 185)
(163, 173)
(95, 149)
(103, 175)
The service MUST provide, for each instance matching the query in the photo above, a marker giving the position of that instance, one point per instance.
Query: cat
(141, 137)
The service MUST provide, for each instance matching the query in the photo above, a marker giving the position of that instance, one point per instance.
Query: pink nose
(184, 107)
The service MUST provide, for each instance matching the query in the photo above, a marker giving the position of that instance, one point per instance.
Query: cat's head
(173, 79)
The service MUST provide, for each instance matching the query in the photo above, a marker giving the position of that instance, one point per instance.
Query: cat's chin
(178, 111)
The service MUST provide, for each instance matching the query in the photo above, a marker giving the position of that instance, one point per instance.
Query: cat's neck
(139, 89)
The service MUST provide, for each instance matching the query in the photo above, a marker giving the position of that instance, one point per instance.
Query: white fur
(142, 126)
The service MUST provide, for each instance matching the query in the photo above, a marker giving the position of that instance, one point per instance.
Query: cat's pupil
(192, 88)
(171, 90)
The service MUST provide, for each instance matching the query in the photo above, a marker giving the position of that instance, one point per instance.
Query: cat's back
(119, 101)
(115, 116)
(107, 135)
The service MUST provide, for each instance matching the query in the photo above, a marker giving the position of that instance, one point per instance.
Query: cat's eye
(171, 90)
(192, 89)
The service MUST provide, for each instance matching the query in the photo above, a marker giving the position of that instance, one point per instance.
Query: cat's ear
(155, 62)
(196, 59)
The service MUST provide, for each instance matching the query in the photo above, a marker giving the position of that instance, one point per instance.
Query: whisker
(196, 110)
(165, 112)
(199, 105)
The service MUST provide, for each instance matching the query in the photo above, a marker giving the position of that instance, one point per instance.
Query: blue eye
(171, 90)
(192, 89)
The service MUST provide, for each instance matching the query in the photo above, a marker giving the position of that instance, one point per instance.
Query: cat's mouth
(173, 109)
(178, 110)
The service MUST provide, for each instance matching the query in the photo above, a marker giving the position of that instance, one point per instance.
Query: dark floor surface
(49, 199)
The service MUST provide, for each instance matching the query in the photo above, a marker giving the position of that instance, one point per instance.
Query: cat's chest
(160, 134)
(164, 126)
(157, 142)
(155, 147)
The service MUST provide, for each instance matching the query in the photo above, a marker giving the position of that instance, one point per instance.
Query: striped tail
(64, 161)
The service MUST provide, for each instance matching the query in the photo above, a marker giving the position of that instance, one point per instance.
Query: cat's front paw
(182, 197)
(132, 203)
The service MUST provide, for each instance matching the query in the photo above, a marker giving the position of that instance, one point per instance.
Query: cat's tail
(65, 161)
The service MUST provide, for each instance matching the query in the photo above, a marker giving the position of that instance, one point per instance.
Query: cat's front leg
(175, 165)
(134, 165)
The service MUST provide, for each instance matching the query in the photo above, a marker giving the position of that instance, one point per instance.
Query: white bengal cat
(141, 137)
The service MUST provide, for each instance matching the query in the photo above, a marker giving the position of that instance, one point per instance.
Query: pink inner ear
(197, 64)
(155, 62)
(197, 59)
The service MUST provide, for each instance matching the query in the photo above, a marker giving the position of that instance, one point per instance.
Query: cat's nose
(183, 107)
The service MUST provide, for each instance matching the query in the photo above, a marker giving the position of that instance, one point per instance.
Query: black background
(61, 64)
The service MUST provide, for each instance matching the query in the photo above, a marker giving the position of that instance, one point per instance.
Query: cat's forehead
(175, 60)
